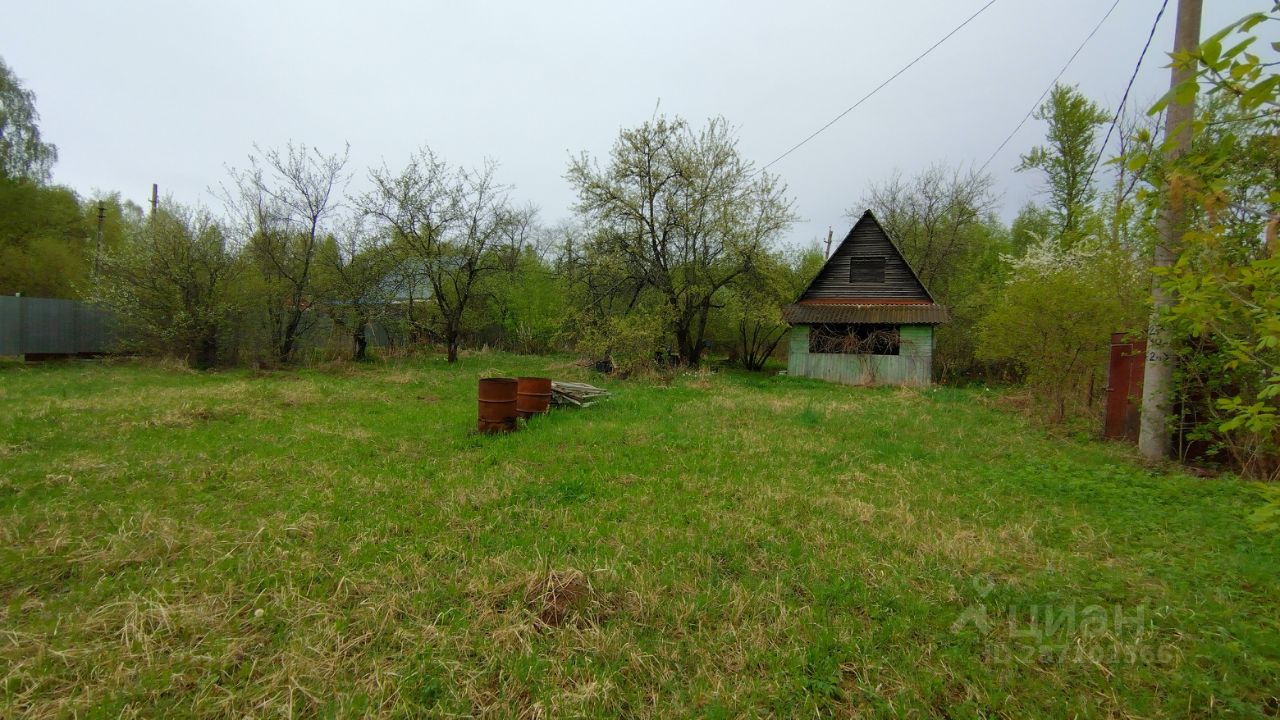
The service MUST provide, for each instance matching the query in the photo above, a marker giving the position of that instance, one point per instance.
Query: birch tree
(23, 154)
(1067, 159)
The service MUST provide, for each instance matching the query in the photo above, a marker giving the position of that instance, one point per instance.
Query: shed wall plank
(912, 366)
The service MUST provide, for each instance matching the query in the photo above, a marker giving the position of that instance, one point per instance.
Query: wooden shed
(866, 319)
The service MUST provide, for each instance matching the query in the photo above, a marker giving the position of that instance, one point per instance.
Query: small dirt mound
(556, 597)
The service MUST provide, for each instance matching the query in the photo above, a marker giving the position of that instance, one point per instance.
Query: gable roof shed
(866, 280)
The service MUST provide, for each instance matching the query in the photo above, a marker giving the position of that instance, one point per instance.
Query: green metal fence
(48, 326)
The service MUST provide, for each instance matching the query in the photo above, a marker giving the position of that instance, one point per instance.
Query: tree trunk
(758, 345)
(286, 348)
(290, 336)
(451, 337)
(361, 341)
(752, 358)
(687, 344)
(207, 350)
(689, 334)
(694, 354)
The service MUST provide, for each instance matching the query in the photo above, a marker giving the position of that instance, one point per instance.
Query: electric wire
(877, 89)
(1124, 98)
(1049, 89)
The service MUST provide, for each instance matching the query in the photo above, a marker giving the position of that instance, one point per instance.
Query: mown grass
(337, 543)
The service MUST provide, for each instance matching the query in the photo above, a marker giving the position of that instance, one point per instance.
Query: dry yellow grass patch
(343, 430)
(399, 377)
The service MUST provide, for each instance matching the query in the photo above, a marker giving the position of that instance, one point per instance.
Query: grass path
(336, 543)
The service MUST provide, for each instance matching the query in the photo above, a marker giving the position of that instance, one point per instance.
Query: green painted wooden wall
(913, 365)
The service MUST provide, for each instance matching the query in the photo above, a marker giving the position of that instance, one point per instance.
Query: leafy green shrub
(628, 342)
(1056, 317)
(1225, 284)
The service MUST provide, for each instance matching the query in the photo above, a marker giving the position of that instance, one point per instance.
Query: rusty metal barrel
(533, 396)
(497, 405)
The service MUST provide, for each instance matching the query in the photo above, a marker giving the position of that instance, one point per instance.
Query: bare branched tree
(683, 213)
(935, 217)
(360, 279)
(282, 206)
(522, 233)
(456, 225)
(1122, 223)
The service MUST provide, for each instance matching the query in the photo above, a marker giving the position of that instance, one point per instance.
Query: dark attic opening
(866, 270)
(854, 339)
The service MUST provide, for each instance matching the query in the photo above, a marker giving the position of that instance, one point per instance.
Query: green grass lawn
(338, 543)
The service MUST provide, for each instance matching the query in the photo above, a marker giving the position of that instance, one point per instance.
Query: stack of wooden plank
(575, 394)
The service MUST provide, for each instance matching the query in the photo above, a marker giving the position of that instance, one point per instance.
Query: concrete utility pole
(97, 247)
(155, 197)
(1157, 378)
(827, 254)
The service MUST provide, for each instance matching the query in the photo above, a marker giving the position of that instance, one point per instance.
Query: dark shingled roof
(913, 314)
(842, 293)
(866, 242)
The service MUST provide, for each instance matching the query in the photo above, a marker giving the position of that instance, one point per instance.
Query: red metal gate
(1124, 388)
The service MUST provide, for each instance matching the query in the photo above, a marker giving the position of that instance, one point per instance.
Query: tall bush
(1055, 316)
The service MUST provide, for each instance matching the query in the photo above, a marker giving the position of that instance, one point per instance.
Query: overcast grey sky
(170, 92)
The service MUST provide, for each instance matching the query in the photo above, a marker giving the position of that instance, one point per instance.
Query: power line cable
(1124, 98)
(878, 88)
(1052, 84)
